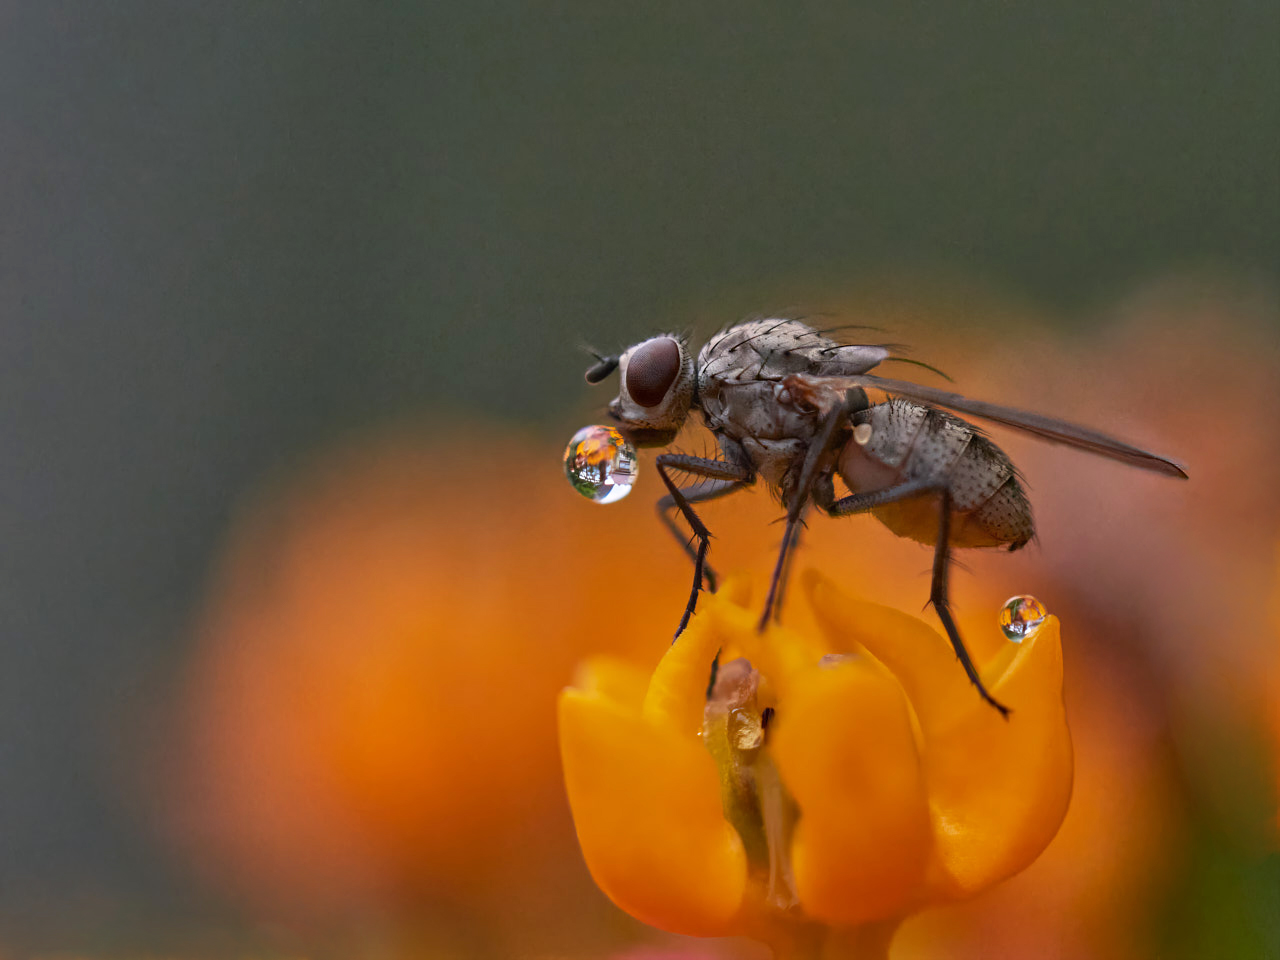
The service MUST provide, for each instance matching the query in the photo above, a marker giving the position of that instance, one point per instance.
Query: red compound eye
(651, 371)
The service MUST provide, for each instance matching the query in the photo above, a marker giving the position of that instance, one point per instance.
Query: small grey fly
(789, 405)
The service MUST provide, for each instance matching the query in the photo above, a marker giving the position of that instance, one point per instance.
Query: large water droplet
(1020, 616)
(600, 464)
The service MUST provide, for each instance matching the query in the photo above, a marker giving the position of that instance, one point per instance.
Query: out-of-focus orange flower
(830, 781)
(1274, 682)
(365, 735)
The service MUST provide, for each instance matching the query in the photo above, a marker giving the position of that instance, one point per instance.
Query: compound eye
(652, 370)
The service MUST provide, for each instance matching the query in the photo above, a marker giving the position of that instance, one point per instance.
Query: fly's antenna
(601, 368)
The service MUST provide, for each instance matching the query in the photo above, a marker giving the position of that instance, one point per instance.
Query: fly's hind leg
(720, 478)
(862, 502)
(938, 597)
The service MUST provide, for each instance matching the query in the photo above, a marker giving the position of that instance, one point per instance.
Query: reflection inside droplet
(1020, 616)
(600, 464)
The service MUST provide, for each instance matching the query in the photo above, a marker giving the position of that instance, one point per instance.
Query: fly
(788, 405)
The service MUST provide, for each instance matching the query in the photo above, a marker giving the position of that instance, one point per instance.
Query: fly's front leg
(722, 478)
(698, 493)
(862, 502)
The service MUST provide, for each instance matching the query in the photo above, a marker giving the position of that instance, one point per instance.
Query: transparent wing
(1046, 428)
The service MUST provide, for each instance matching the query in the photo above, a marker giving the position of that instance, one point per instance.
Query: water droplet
(1020, 616)
(600, 464)
(746, 729)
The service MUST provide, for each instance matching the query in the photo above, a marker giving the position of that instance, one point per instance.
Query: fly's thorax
(754, 416)
(743, 351)
(771, 348)
(656, 390)
(774, 460)
(757, 410)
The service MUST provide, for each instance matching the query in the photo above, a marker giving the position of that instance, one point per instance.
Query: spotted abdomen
(903, 442)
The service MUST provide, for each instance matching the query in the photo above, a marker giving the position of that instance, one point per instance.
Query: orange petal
(844, 744)
(646, 805)
(613, 679)
(781, 655)
(678, 690)
(999, 788)
(914, 652)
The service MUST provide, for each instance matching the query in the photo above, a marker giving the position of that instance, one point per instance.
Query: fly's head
(656, 389)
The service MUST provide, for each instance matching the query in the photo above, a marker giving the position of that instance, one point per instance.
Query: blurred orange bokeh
(1275, 703)
(369, 720)
(367, 726)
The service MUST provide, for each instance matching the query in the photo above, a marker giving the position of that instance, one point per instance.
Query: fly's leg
(698, 493)
(862, 502)
(723, 478)
(938, 597)
(790, 535)
(785, 577)
(823, 493)
(822, 443)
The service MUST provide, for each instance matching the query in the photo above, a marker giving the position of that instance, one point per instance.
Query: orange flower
(812, 797)
(365, 736)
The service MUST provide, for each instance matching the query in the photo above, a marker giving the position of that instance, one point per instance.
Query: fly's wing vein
(1039, 425)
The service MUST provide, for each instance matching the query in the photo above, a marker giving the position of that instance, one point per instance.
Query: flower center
(735, 729)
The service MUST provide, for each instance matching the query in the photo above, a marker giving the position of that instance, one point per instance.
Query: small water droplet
(600, 464)
(746, 729)
(1020, 616)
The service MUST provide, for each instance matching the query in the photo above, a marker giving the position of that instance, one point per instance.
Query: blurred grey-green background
(231, 231)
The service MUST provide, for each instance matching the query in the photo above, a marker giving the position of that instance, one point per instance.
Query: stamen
(756, 802)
